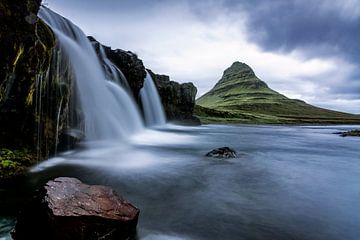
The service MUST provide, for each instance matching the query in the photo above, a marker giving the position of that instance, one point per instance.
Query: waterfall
(108, 110)
(153, 109)
(112, 72)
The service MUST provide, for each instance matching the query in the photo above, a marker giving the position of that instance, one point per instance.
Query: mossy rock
(15, 163)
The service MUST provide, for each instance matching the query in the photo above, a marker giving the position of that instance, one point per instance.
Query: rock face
(32, 103)
(178, 99)
(37, 88)
(223, 152)
(129, 63)
(69, 209)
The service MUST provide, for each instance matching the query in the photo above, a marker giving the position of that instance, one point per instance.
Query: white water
(153, 109)
(289, 182)
(112, 72)
(109, 111)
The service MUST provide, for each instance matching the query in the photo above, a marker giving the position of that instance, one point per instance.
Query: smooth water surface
(289, 182)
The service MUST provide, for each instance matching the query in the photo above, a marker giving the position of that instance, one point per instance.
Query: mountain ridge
(248, 99)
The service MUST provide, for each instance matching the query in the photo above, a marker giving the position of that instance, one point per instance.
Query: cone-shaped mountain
(240, 96)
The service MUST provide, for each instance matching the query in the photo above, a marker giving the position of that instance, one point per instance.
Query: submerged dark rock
(351, 133)
(178, 99)
(223, 152)
(68, 209)
(69, 138)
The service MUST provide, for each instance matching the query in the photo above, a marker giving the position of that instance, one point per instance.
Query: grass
(241, 97)
(207, 116)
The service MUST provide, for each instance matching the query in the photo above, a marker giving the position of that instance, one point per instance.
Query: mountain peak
(239, 68)
(240, 96)
(239, 75)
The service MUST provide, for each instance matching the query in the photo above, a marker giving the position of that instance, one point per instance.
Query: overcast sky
(306, 49)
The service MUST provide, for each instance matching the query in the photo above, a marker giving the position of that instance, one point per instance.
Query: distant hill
(241, 97)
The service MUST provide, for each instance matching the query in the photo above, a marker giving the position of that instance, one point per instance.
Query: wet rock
(68, 209)
(223, 152)
(128, 62)
(178, 99)
(28, 119)
(351, 133)
(69, 138)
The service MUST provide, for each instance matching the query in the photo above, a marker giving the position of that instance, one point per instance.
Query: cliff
(28, 101)
(129, 64)
(178, 99)
(39, 111)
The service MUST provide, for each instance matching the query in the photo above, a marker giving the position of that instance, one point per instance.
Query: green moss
(30, 95)
(19, 53)
(14, 163)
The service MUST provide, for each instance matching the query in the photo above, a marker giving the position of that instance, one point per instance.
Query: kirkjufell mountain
(240, 96)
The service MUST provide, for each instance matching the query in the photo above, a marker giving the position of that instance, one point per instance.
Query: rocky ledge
(68, 209)
(128, 62)
(178, 99)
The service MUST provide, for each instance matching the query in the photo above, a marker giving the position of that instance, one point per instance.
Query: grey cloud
(316, 29)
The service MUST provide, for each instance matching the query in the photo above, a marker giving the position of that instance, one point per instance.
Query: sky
(305, 49)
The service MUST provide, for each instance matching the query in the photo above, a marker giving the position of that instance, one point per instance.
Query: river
(288, 182)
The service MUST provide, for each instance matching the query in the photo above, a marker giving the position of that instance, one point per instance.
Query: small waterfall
(113, 73)
(108, 110)
(153, 109)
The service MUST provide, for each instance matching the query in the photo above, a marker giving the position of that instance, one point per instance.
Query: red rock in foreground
(68, 209)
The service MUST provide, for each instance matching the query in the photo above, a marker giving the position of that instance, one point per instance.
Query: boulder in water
(223, 152)
(68, 209)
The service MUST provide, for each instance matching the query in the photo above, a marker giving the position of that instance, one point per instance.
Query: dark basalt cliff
(128, 62)
(178, 99)
(37, 88)
(27, 121)
(36, 84)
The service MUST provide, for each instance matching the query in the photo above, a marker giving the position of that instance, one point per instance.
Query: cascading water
(112, 72)
(108, 110)
(153, 109)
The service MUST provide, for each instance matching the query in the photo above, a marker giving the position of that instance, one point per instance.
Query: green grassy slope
(241, 97)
